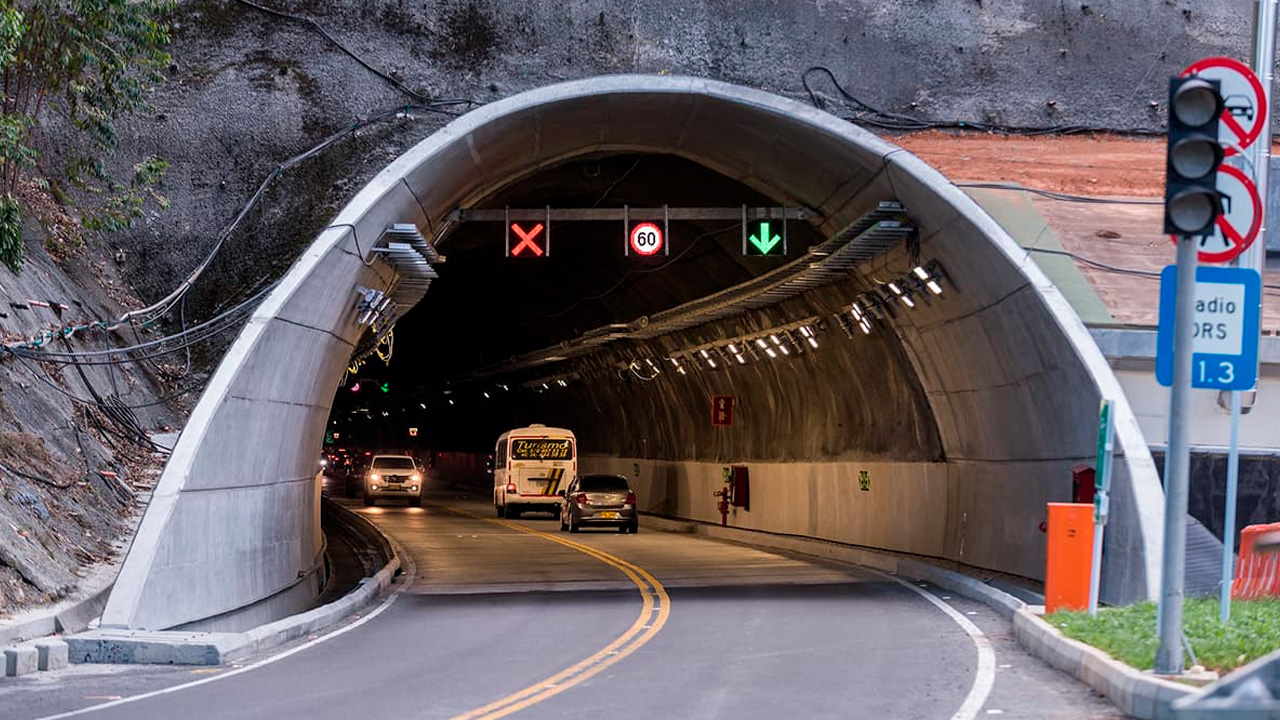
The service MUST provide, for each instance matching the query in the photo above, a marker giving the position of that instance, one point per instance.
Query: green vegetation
(1129, 633)
(89, 62)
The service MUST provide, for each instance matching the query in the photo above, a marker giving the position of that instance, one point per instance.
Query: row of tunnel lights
(923, 283)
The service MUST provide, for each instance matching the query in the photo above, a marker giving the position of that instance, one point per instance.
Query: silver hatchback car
(599, 500)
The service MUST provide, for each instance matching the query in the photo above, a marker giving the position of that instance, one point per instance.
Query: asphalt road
(502, 618)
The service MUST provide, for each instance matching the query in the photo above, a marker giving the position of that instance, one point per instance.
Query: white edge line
(985, 677)
(408, 581)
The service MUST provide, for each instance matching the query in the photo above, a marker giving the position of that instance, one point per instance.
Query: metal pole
(1264, 51)
(1229, 517)
(1102, 501)
(1177, 462)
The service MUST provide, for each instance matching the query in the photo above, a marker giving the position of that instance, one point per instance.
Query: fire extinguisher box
(741, 488)
(1069, 557)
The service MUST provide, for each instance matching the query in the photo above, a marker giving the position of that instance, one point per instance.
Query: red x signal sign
(528, 245)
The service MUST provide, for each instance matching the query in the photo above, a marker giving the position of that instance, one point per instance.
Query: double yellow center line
(654, 610)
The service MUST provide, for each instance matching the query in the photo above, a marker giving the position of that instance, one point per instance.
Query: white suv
(393, 476)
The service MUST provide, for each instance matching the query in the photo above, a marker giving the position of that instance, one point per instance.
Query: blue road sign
(1225, 344)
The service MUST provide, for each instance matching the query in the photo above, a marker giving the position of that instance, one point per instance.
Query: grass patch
(1128, 633)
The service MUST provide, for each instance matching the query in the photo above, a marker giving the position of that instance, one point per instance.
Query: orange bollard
(1069, 557)
(1257, 573)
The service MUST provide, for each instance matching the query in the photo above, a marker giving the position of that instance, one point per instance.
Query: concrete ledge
(67, 617)
(20, 660)
(52, 654)
(204, 648)
(156, 648)
(1138, 694)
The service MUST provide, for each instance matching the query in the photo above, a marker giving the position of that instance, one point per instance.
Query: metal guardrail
(1250, 693)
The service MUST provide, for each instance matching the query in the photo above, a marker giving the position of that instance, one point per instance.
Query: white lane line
(407, 576)
(985, 678)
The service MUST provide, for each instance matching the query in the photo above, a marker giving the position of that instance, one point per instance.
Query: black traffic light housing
(1192, 203)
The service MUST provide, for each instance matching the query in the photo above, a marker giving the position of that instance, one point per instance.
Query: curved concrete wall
(1007, 369)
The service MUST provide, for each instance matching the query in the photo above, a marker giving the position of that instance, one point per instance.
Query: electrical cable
(37, 478)
(352, 54)
(1151, 274)
(202, 331)
(874, 117)
(1059, 196)
(634, 273)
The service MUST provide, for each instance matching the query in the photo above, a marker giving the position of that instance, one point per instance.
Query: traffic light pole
(1177, 467)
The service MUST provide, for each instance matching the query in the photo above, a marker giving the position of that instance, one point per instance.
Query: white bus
(531, 468)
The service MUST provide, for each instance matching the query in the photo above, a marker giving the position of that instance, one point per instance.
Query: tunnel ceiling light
(775, 339)
(561, 382)
(450, 401)
(813, 342)
(741, 360)
(504, 387)
(486, 394)
(422, 405)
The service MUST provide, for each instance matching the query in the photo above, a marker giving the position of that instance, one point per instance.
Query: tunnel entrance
(936, 424)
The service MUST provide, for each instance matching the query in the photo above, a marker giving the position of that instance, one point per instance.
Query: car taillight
(631, 498)
(511, 487)
(581, 499)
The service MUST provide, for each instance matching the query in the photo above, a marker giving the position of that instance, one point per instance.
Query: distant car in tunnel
(593, 500)
(393, 476)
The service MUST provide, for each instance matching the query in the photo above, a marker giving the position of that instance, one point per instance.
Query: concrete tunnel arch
(232, 536)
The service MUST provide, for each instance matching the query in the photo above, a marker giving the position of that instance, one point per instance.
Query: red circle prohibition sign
(1238, 242)
(1244, 138)
(646, 239)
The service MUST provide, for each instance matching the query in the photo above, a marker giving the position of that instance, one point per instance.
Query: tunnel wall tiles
(225, 547)
(256, 445)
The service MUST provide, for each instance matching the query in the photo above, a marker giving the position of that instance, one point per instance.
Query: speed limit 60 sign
(646, 239)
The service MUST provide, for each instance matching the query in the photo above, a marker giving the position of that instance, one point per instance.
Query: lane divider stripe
(653, 598)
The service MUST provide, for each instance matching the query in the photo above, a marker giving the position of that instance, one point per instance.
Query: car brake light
(581, 499)
(631, 498)
(511, 487)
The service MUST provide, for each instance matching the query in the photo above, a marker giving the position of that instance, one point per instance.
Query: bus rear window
(541, 449)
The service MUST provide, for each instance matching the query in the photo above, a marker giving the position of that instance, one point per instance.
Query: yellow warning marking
(205, 671)
(653, 596)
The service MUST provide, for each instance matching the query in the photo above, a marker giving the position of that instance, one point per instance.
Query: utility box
(741, 489)
(1083, 484)
(1069, 557)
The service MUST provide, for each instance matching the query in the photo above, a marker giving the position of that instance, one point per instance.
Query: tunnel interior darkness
(964, 413)
(486, 307)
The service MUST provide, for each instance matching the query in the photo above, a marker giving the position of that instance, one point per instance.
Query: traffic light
(1191, 200)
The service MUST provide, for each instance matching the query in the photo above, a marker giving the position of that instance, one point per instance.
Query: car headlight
(374, 476)
(415, 477)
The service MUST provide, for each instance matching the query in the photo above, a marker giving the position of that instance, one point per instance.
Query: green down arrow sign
(762, 239)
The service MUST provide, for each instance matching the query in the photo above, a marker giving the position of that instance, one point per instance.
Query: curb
(1138, 694)
(72, 618)
(214, 648)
